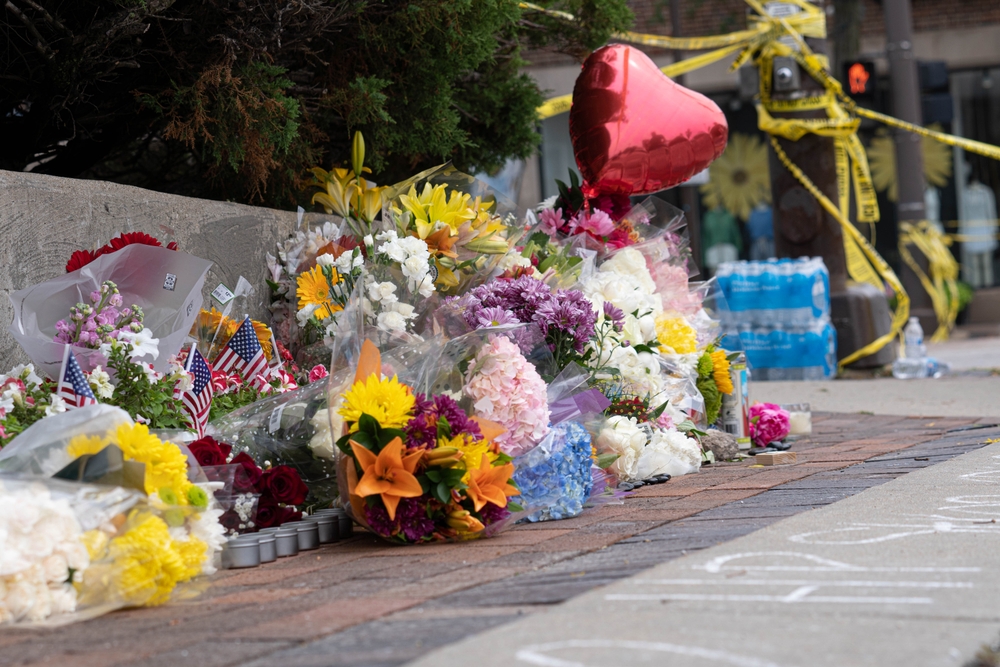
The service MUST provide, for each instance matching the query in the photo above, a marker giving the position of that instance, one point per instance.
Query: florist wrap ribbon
(590, 401)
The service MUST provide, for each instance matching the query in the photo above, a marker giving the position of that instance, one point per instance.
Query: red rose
(208, 452)
(270, 514)
(247, 475)
(230, 520)
(283, 484)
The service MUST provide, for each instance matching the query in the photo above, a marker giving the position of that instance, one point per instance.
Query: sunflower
(720, 371)
(675, 334)
(313, 289)
(389, 402)
(882, 161)
(740, 179)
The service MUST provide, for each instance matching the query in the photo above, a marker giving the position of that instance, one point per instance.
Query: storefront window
(976, 96)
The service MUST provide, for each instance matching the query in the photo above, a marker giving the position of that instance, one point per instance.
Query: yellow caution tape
(760, 44)
(942, 285)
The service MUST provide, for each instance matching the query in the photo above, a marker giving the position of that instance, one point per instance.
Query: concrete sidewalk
(906, 573)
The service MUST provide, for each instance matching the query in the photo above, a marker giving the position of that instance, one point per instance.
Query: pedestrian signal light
(860, 78)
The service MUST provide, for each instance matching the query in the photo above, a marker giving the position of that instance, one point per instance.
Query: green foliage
(713, 399)
(223, 404)
(139, 395)
(218, 99)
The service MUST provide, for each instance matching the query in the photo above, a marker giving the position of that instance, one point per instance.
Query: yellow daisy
(313, 288)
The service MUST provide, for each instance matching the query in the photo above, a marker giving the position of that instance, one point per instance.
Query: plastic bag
(450, 481)
(290, 429)
(74, 551)
(555, 478)
(167, 285)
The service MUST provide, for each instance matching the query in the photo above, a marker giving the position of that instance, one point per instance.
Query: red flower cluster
(82, 258)
(280, 488)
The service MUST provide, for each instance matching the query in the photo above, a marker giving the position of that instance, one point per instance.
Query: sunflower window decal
(740, 178)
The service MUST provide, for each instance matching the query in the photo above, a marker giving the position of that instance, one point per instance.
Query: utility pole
(860, 313)
(909, 154)
(689, 194)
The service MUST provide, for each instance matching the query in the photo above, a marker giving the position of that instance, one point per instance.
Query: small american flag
(243, 352)
(197, 400)
(73, 386)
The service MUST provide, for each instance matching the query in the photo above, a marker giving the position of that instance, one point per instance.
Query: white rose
(63, 599)
(326, 259)
(55, 569)
(669, 453)
(631, 263)
(391, 321)
(322, 442)
(622, 436)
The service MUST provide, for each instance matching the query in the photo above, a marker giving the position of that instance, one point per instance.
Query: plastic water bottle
(913, 334)
(913, 363)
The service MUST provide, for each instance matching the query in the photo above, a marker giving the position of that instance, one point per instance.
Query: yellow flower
(149, 563)
(166, 465)
(389, 402)
(433, 207)
(314, 290)
(338, 182)
(472, 451)
(676, 335)
(720, 371)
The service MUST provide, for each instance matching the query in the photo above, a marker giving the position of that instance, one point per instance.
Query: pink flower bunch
(596, 222)
(101, 321)
(317, 373)
(507, 389)
(768, 423)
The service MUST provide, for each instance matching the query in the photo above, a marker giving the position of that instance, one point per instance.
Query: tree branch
(40, 44)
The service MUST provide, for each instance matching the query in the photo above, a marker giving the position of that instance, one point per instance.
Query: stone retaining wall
(43, 219)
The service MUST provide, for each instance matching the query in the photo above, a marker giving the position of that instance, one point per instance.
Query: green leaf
(433, 475)
(514, 507)
(442, 492)
(605, 460)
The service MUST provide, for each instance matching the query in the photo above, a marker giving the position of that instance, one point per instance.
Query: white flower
(415, 268)
(622, 435)
(369, 241)
(142, 343)
(305, 314)
(631, 263)
(513, 259)
(206, 527)
(100, 382)
(326, 259)
(391, 321)
(151, 375)
(426, 287)
(669, 453)
(56, 405)
(640, 371)
(547, 203)
(26, 372)
(404, 309)
(322, 444)
(382, 292)
(183, 380)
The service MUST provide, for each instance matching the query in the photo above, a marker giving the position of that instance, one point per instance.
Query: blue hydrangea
(554, 477)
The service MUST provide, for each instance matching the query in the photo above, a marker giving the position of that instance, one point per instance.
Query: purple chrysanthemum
(379, 521)
(495, 317)
(614, 314)
(422, 429)
(491, 514)
(411, 516)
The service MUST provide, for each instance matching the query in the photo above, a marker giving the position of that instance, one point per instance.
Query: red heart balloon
(634, 130)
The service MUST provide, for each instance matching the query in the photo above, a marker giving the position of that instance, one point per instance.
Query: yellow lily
(368, 200)
(433, 206)
(339, 184)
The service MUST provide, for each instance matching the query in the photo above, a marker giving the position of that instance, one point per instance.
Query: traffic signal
(859, 79)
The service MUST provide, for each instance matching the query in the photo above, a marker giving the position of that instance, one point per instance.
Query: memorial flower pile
(600, 218)
(418, 468)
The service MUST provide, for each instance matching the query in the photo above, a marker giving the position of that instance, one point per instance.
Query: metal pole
(909, 154)
(689, 194)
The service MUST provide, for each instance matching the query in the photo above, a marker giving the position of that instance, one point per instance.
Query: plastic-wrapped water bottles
(780, 311)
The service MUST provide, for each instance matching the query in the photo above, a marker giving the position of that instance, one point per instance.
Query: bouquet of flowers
(259, 498)
(135, 546)
(162, 288)
(416, 467)
(289, 433)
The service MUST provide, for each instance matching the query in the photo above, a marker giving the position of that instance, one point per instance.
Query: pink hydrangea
(507, 389)
(768, 423)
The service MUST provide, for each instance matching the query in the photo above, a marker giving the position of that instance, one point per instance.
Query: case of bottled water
(780, 312)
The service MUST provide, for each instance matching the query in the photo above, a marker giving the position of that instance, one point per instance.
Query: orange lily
(369, 363)
(491, 430)
(490, 484)
(390, 474)
(441, 243)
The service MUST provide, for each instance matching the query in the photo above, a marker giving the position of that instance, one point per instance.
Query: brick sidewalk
(364, 602)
